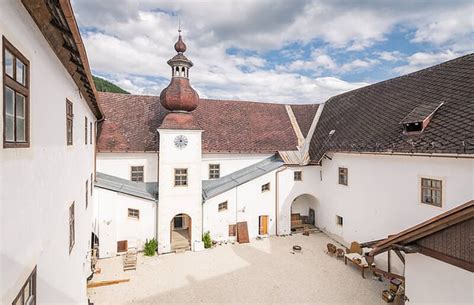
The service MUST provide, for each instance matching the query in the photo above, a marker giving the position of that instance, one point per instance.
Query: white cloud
(422, 60)
(390, 56)
(358, 64)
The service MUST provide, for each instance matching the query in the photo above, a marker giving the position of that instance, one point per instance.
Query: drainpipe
(158, 191)
(276, 197)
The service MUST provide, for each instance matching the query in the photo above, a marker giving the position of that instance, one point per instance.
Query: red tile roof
(229, 126)
(304, 116)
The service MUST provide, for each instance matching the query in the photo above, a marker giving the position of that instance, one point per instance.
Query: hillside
(103, 85)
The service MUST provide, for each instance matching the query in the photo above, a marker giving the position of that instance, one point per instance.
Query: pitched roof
(142, 190)
(212, 188)
(304, 116)
(368, 119)
(229, 126)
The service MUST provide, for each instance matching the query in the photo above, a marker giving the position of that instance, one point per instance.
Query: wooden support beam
(106, 283)
(399, 254)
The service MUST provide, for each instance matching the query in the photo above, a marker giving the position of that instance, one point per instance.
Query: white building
(47, 156)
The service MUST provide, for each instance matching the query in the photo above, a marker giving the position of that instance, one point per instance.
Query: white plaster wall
(174, 200)
(302, 204)
(39, 183)
(229, 163)
(115, 225)
(430, 281)
(119, 164)
(383, 193)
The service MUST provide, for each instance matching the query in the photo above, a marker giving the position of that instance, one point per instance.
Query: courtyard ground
(261, 272)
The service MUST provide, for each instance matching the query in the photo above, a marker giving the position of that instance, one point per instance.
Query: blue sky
(300, 51)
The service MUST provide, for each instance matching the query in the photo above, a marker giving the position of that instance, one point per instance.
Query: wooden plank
(242, 232)
(106, 283)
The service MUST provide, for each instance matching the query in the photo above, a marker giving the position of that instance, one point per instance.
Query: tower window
(214, 171)
(180, 177)
(137, 173)
(298, 176)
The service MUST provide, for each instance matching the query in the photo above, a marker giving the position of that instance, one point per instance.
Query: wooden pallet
(130, 260)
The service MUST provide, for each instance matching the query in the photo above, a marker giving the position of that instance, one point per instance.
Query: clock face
(180, 141)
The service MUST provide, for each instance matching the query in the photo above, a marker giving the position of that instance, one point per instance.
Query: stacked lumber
(130, 260)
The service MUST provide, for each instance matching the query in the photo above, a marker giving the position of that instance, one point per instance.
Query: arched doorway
(303, 211)
(180, 228)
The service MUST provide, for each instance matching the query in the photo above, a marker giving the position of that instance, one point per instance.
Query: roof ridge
(409, 75)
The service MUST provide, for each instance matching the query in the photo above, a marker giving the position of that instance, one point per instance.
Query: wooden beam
(399, 254)
(106, 283)
(469, 266)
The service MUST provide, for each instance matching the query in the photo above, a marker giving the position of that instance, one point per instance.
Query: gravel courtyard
(261, 272)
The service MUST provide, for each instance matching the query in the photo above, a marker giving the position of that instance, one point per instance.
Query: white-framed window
(180, 177)
(214, 171)
(432, 192)
(72, 231)
(339, 220)
(266, 187)
(222, 207)
(298, 175)
(137, 173)
(343, 175)
(134, 213)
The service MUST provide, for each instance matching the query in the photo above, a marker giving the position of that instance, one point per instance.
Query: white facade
(174, 200)
(114, 224)
(229, 163)
(39, 183)
(120, 164)
(430, 279)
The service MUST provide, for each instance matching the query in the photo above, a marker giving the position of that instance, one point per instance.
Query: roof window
(419, 118)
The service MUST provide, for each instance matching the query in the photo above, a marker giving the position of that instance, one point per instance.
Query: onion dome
(179, 96)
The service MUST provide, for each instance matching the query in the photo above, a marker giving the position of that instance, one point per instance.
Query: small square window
(134, 213)
(432, 192)
(266, 187)
(214, 171)
(298, 176)
(137, 173)
(339, 220)
(180, 177)
(343, 175)
(222, 207)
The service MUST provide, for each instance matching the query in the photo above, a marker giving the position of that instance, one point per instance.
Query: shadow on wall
(46, 294)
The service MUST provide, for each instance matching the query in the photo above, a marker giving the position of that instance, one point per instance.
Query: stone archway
(180, 237)
(303, 211)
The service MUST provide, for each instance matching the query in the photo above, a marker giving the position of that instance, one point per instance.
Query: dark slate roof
(304, 116)
(421, 112)
(212, 188)
(142, 190)
(368, 119)
(229, 126)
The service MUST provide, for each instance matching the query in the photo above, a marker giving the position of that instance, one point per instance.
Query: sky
(299, 51)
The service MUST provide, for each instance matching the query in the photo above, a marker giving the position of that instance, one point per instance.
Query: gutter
(433, 155)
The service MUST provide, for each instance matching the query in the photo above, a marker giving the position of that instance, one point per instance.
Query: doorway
(180, 237)
(263, 225)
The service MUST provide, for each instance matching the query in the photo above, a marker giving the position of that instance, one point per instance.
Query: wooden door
(122, 246)
(242, 232)
(312, 217)
(263, 225)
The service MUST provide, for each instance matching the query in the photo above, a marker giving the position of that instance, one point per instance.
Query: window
(16, 94)
(232, 230)
(90, 130)
(180, 177)
(343, 175)
(92, 183)
(69, 122)
(339, 220)
(137, 173)
(133, 213)
(431, 192)
(71, 228)
(222, 207)
(27, 294)
(214, 171)
(85, 130)
(298, 175)
(266, 187)
(87, 193)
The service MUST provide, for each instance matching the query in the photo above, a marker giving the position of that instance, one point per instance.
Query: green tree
(103, 85)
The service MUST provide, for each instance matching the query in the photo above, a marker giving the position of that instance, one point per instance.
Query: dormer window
(419, 118)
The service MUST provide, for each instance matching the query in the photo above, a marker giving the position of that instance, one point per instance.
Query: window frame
(345, 176)
(90, 132)
(85, 130)
(265, 187)
(176, 175)
(17, 88)
(137, 172)
(69, 118)
(432, 189)
(212, 171)
(300, 173)
(87, 193)
(31, 280)
(339, 220)
(72, 227)
(132, 214)
(223, 206)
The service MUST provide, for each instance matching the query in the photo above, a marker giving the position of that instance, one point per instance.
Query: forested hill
(103, 85)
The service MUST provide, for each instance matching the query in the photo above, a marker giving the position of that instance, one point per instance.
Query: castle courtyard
(263, 271)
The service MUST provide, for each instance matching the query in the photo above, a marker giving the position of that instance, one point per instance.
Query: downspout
(276, 197)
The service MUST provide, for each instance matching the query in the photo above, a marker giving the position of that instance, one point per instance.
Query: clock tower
(180, 185)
